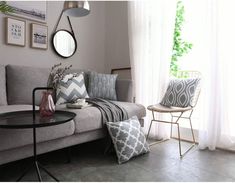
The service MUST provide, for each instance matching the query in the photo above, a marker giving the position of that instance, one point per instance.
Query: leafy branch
(180, 47)
(57, 74)
(5, 8)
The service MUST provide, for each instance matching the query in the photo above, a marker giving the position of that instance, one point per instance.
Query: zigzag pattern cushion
(70, 89)
(180, 93)
(102, 86)
(128, 139)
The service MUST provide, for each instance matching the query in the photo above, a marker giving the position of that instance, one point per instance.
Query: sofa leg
(68, 154)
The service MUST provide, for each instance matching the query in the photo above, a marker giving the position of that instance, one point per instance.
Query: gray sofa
(16, 85)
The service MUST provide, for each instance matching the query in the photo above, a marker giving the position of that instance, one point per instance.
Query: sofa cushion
(3, 96)
(12, 108)
(89, 118)
(21, 81)
(13, 138)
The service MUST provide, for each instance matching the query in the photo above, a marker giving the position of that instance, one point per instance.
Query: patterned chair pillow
(180, 93)
(128, 139)
(102, 86)
(71, 88)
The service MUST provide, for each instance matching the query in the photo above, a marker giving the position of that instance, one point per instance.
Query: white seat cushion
(165, 109)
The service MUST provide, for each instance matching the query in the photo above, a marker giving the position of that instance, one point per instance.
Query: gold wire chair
(172, 110)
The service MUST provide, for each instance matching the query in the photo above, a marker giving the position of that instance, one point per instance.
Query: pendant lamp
(76, 8)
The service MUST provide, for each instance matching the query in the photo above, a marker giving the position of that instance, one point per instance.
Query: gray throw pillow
(128, 139)
(70, 89)
(180, 93)
(102, 86)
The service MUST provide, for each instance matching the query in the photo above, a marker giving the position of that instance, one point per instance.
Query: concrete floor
(161, 164)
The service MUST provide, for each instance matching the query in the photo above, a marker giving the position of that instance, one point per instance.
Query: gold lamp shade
(76, 8)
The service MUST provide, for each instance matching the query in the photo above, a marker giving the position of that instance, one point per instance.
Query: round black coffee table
(32, 119)
(24, 119)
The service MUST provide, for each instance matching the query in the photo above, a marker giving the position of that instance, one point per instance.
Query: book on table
(77, 105)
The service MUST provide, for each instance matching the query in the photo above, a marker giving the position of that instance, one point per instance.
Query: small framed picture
(15, 32)
(39, 36)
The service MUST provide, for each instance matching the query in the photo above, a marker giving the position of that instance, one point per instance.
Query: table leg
(36, 164)
(26, 171)
(49, 173)
(38, 171)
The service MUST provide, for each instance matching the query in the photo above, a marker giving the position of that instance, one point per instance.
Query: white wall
(102, 39)
(89, 31)
(117, 46)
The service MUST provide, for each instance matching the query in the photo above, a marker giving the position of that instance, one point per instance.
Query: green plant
(5, 8)
(180, 47)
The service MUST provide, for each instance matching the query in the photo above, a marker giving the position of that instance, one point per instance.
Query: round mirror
(64, 43)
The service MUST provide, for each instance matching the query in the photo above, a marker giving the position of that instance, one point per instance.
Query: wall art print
(39, 36)
(33, 10)
(15, 32)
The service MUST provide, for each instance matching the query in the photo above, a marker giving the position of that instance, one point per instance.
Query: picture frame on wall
(32, 10)
(39, 36)
(15, 32)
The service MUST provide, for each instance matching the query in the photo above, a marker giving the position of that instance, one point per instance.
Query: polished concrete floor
(161, 164)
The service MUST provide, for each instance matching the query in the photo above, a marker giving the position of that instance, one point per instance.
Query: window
(191, 32)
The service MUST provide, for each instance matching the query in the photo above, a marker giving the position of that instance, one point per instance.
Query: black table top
(24, 119)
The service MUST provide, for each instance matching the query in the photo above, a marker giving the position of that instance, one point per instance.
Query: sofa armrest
(124, 90)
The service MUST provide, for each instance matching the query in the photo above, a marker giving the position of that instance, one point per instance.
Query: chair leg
(192, 131)
(179, 138)
(171, 125)
(149, 130)
(150, 125)
(178, 127)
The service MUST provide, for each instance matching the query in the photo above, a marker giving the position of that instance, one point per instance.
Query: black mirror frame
(52, 42)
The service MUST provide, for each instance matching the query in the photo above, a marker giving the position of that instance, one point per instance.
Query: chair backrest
(188, 74)
(123, 73)
(192, 74)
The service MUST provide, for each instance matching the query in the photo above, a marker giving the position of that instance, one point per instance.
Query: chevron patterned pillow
(180, 92)
(128, 139)
(70, 89)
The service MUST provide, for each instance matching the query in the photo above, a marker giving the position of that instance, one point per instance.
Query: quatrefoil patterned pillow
(128, 139)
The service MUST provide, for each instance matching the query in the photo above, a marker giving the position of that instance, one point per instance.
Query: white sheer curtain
(217, 128)
(151, 27)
